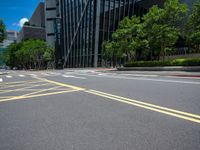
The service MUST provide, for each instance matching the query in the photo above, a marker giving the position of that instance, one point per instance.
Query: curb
(177, 68)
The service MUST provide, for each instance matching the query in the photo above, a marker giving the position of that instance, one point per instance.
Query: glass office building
(85, 24)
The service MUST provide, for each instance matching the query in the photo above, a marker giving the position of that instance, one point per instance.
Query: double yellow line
(148, 106)
(156, 108)
(164, 110)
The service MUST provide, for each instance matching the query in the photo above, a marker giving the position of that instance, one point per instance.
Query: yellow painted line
(3, 97)
(38, 95)
(20, 89)
(61, 84)
(16, 85)
(18, 82)
(147, 107)
(151, 105)
(156, 108)
(43, 90)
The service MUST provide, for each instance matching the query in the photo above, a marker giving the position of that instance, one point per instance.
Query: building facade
(52, 15)
(36, 27)
(10, 38)
(85, 24)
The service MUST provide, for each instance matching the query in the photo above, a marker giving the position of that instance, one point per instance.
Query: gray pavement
(98, 110)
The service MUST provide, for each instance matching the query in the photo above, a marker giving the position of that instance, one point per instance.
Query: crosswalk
(82, 75)
(76, 74)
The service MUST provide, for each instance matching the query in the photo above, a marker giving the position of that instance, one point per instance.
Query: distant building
(10, 38)
(52, 15)
(36, 27)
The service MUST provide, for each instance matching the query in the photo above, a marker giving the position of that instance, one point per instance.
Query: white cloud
(22, 21)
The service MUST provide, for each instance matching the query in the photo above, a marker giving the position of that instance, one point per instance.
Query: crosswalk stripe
(8, 76)
(1, 80)
(21, 75)
(33, 75)
(45, 74)
(69, 76)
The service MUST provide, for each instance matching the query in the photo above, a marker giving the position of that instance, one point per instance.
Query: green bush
(186, 62)
(176, 62)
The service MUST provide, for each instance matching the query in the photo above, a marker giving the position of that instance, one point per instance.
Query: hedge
(176, 62)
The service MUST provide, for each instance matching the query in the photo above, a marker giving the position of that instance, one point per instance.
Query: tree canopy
(193, 27)
(149, 37)
(29, 54)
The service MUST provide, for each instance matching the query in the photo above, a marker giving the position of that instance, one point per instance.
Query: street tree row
(154, 35)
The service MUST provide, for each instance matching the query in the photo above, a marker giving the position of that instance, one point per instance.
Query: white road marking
(69, 76)
(8, 76)
(198, 78)
(33, 75)
(21, 75)
(101, 74)
(46, 74)
(1, 80)
(55, 73)
(140, 75)
(145, 79)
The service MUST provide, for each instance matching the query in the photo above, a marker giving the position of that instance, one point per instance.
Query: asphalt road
(92, 110)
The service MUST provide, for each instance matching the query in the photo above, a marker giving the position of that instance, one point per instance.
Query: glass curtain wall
(86, 24)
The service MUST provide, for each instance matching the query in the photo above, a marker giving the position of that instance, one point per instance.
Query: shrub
(176, 62)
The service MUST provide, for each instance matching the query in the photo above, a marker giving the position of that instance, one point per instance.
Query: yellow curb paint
(151, 105)
(147, 107)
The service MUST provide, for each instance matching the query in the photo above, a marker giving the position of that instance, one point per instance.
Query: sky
(12, 11)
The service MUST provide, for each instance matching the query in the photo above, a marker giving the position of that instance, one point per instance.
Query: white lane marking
(1, 80)
(145, 79)
(8, 76)
(21, 75)
(140, 75)
(46, 74)
(101, 74)
(55, 73)
(69, 76)
(198, 78)
(33, 75)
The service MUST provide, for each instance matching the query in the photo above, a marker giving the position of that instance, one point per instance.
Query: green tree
(129, 38)
(9, 55)
(193, 27)
(29, 54)
(2, 31)
(161, 26)
(49, 57)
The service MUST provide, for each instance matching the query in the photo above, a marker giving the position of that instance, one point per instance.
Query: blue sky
(11, 11)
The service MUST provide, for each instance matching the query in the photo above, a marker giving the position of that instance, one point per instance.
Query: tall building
(52, 16)
(79, 27)
(85, 24)
(36, 27)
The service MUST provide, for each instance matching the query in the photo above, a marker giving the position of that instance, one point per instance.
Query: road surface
(93, 110)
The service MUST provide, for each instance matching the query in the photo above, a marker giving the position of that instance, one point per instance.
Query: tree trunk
(162, 52)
